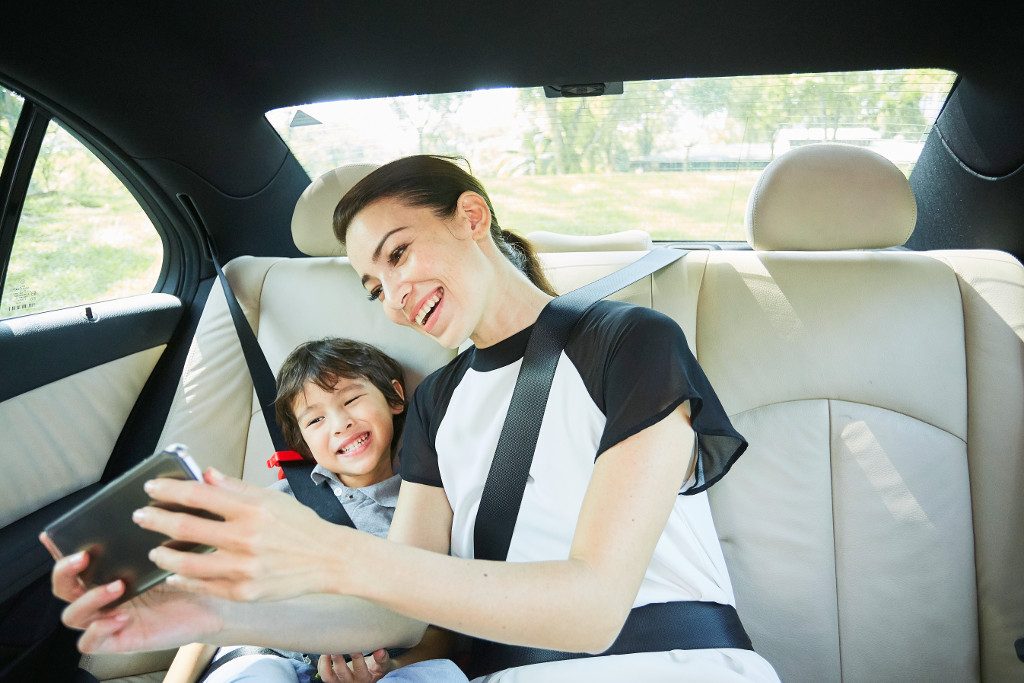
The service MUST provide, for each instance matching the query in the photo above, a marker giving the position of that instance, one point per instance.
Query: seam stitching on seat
(835, 542)
(856, 403)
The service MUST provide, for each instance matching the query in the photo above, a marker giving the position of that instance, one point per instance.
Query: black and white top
(624, 368)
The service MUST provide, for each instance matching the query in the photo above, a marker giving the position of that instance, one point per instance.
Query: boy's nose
(342, 424)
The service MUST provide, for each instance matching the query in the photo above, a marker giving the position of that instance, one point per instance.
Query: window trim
(16, 175)
(184, 264)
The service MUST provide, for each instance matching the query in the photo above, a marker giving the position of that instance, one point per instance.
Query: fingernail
(114, 586)
(215, 474)
(140, 515)
(149, 486)
(77, 558)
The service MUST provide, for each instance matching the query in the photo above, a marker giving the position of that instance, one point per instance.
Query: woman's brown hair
(435, 182)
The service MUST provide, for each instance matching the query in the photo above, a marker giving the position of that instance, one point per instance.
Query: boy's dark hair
(325, 361)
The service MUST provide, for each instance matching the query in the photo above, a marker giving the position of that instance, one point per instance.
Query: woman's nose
(395, 294)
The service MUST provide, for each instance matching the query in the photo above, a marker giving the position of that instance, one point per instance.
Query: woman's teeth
(354, 445)
(427, 308)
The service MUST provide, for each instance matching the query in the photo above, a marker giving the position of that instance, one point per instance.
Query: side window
(82, 236)
(10, 109)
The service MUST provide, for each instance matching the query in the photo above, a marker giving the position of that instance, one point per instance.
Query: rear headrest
(313, 218)
(829, 196)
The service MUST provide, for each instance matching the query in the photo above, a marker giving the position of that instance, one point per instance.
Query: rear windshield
(676, 158)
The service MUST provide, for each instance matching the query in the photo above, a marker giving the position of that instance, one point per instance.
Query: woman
(602, 528)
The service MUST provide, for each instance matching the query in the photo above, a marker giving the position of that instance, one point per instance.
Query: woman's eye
(396, 254)
(374, 293)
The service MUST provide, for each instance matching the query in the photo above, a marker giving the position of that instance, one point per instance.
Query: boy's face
(348, 430)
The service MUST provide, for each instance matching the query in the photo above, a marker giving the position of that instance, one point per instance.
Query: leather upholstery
(873, 528)
(829, 197)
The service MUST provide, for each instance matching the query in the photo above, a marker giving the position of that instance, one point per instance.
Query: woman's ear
(473, 208)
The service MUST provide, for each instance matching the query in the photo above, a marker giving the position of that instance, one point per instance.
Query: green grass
(80, 248)
(670, 206)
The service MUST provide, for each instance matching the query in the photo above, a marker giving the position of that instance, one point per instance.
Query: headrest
(827, 197)
(313, 218)
(627, 240)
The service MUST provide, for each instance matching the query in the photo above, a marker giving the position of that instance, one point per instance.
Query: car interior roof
(181, 88)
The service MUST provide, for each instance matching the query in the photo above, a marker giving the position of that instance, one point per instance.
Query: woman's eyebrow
(380, 245)
(378, 250)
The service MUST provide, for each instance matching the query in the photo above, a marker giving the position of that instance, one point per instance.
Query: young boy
(341, 403)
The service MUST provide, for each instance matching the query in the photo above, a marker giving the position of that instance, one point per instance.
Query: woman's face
(429, 273)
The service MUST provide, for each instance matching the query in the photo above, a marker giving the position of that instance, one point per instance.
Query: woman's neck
(514, 305)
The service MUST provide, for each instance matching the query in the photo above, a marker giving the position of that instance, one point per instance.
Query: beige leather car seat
(873, 528)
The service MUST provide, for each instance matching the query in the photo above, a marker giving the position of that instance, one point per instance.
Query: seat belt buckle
(282, 457)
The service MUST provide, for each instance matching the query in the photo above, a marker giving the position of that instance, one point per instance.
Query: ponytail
(520, 252)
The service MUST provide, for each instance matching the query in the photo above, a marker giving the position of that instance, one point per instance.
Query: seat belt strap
(297, 469)
(657, 627)
(650, 628)
(506, 480)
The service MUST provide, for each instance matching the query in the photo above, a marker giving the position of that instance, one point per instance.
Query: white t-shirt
(624, 368)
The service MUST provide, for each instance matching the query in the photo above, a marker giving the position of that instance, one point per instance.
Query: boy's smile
(348, 430)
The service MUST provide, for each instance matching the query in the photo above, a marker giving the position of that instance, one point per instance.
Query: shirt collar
(384, 493)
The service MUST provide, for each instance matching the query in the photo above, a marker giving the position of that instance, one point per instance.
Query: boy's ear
(399, 409)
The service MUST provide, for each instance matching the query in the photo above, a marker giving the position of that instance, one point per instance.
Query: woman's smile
(428, 307)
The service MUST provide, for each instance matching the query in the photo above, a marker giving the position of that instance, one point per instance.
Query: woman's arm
(167, 617)
(628, 501)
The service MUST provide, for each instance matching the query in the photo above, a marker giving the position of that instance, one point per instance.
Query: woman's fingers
(85, 609)
(182, 526)
(65, 579)
(220, 500)
(102, 632)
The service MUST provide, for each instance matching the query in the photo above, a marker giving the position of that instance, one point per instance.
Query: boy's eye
(314, 421)
(396, 254)
(353, 399)
(375, 293)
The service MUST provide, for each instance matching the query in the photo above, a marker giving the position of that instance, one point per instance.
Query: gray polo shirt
(370, 507)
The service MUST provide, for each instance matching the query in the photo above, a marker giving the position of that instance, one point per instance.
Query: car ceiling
(181, 88)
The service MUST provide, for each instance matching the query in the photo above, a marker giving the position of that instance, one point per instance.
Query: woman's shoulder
(445, 378)
(616, 320)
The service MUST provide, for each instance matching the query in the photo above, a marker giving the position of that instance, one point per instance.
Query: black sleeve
(649, 371)
(417, 457)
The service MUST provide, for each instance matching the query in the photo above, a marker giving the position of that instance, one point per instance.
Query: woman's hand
(268, 546)
(370, 669)
(158, 619)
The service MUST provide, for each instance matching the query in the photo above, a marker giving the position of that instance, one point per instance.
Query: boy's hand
(369, 669)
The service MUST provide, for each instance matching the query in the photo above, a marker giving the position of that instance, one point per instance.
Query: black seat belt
(506, 481)
(650, 628)
(297, 469)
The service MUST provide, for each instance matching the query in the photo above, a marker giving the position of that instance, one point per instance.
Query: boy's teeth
(427, 308)
(352, 446)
